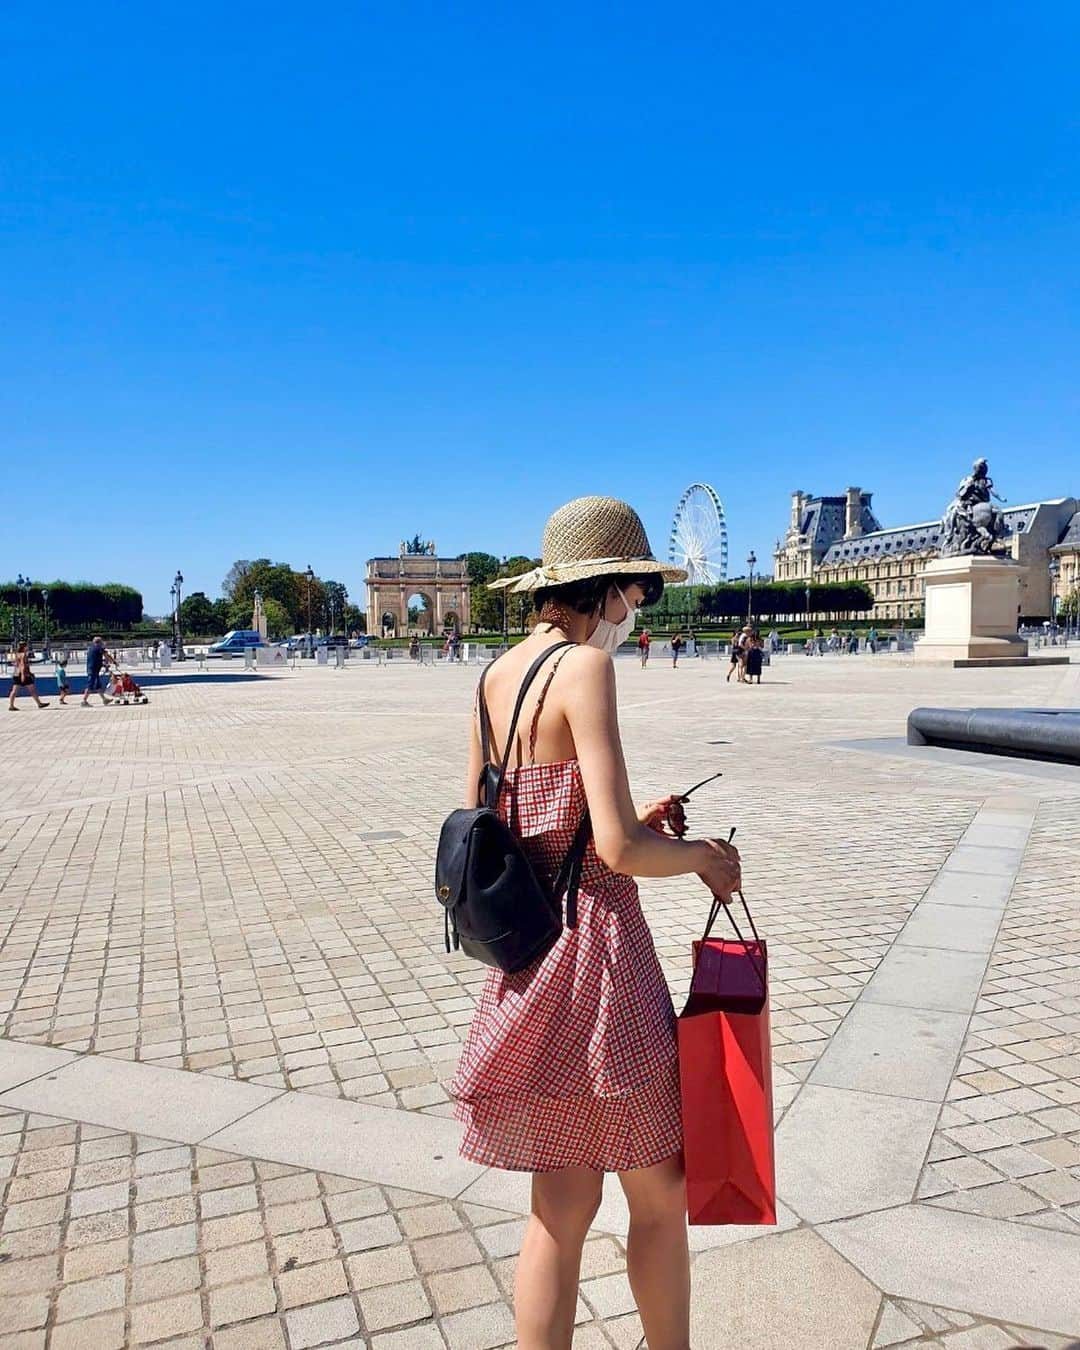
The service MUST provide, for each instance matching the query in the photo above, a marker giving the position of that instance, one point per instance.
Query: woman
(754, 658)
(570, 1069)
(22, 677)
(677, 645)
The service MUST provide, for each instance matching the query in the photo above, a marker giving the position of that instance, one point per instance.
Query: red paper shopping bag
(725, 1068)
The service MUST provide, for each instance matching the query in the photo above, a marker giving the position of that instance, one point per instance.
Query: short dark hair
(586, 596)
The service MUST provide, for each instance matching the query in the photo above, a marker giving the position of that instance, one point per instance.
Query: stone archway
(444, 581)
(420, 614)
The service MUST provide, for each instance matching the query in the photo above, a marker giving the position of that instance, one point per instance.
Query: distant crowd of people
(839, 643)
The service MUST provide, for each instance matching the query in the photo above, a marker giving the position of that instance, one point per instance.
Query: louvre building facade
(840, 539)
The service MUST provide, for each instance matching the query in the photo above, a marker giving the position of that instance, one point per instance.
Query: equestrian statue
(972, 524)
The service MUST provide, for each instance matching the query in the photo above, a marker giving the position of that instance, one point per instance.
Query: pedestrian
(97, 660)
(644, 642)
(22, 677)
(755, 658)
(872, 640)
(774, 642)
(570, 1067)
(414, 648)
(60, 671)
(677, 645)
(735, 658)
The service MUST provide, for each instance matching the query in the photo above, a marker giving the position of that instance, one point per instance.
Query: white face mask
(609, 636)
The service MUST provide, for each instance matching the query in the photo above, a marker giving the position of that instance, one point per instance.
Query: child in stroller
(123, 688)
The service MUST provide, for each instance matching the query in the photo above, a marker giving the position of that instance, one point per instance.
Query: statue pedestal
(972, 608)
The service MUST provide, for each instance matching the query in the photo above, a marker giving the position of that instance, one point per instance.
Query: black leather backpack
(496, 908)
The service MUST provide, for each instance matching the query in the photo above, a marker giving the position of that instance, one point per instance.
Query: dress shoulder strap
(535, 725)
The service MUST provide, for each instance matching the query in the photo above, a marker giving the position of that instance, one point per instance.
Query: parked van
(236, 643)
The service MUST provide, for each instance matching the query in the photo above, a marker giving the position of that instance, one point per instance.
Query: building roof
(920, 538)
(824, 520)
(1071, 537)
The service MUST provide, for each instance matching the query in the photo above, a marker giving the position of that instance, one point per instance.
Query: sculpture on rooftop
(972, 524)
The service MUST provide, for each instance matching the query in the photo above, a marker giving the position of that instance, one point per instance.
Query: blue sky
(293, 281)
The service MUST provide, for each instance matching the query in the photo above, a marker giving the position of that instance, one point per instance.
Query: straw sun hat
(591, 537)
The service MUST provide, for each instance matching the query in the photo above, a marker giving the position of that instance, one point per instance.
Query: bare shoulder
(588, 667)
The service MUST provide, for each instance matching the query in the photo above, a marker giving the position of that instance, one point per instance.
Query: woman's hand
(668, 811)
(722, 872)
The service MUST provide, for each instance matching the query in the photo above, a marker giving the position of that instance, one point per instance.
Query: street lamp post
(178, 636)
(309, 577)
(1054, 568)
(751, 562)
(23, 583)
(45, 621)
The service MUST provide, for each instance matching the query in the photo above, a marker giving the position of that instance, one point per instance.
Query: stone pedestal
(972, 607)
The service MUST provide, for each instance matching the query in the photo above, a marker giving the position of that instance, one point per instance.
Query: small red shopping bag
(725, 1068)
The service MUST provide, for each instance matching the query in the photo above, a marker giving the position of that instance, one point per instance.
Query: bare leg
(564, 1204)
(657, 1256)
(11, 698)
(34, 696)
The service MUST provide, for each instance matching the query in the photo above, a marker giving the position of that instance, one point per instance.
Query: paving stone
(394, 1305)
(89, 1297)
(105, 1332)
(480, 1328)
(310, 1284)
(321, 1323)
(741, 1296)
(167, 1317)
(471, 1287)
(387, 1265)
(265, 1333)
(446, 1253)
(23, 1312)
(239, 1302)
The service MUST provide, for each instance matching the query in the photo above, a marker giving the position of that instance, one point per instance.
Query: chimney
(798, 497)
(853, 513)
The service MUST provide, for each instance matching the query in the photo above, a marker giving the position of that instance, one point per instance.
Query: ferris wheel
(698, 540)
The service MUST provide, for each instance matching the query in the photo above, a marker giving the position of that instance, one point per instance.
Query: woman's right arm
(622, 841)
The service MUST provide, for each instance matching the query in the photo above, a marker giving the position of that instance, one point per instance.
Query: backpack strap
(485, 721)
(569, 875)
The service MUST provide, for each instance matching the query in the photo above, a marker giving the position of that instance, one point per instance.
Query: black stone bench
(1028, 733)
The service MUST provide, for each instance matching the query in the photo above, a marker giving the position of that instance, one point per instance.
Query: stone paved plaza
(229, 1021)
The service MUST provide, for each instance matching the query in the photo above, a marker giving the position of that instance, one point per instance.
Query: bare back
(549, 734)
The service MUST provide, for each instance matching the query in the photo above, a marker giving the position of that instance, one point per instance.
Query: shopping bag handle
(717, 906)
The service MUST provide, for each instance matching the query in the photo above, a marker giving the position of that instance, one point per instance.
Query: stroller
(123, 689)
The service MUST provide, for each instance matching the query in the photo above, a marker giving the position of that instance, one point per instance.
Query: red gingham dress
(572, 1062)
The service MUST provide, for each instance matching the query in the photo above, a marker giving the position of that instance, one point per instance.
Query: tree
(335, 599)
(354, 620)
(480, 567)
(278, 622)
(221, 615)
(485, 606)
(197, 615)
(234, 578)
(275, 581)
